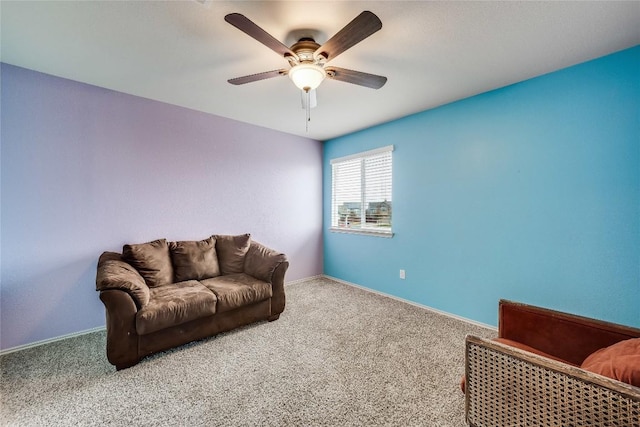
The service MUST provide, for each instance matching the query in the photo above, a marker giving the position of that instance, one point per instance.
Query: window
(361, 193)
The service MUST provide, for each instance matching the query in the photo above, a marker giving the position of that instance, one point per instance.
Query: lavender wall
(85, 169)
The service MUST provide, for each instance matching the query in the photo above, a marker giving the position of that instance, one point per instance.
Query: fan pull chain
(308, 92)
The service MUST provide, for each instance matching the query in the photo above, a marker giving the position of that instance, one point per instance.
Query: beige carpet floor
(338, 356)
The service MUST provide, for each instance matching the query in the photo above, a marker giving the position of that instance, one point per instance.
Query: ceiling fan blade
(372, 81)
(246, 25)
(353, 33)
(255, 77)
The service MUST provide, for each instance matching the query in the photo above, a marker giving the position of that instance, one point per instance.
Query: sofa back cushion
(231, 252)
(194, 260)
(152, 260)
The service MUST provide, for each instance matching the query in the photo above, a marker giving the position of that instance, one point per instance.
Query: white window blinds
(361, 192)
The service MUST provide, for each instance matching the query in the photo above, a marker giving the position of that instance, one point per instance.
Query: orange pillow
(620, 361)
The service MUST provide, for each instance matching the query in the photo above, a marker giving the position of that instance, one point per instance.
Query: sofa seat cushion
(237, 290)
(174, 304)
(530, 349)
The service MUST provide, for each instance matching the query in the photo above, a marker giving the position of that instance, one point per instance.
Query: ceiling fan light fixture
(307, 77)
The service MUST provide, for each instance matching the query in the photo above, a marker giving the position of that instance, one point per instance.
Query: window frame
(360, 156)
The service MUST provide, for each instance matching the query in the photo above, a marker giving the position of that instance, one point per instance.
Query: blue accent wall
(530, 192)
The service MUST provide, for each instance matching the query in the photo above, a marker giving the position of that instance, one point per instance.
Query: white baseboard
(425, 307)
(50, 340)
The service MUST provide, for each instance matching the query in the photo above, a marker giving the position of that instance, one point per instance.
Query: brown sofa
(160, 294)
(549, 368)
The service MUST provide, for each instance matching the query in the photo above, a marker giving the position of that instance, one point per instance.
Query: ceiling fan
(308, 59)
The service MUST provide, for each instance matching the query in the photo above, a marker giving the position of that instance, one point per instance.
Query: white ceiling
(433, 53)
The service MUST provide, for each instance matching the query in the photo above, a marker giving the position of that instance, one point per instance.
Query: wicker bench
(507, 386)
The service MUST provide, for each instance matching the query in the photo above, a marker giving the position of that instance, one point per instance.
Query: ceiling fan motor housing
(305, 49)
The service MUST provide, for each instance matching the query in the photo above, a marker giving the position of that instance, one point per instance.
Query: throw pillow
(620, 361)
(193, 260)
(152, 260)
(231, 252)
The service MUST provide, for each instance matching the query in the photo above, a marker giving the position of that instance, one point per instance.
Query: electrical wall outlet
(402, 275)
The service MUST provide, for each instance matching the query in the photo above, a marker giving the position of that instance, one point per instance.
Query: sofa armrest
(114, 273)
(566, 336)
(270, 266)
(509, 386)
(278, 300)
(261, 262)
(122, 339)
